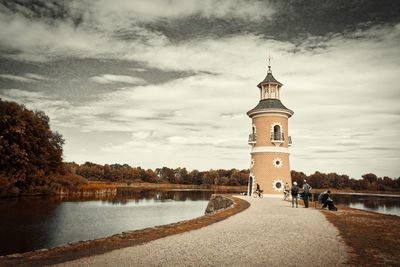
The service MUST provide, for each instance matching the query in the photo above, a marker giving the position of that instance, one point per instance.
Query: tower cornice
(270, 111)
(270, 105)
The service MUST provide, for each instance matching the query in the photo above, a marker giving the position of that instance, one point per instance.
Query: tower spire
(269, 78)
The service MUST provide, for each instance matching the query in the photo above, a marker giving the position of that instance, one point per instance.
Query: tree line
(368, 181)
(232, 177)
(126, 173)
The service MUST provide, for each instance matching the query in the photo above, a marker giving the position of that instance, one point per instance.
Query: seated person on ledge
(327, 201)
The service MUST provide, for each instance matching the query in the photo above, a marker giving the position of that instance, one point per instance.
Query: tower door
(250, 186)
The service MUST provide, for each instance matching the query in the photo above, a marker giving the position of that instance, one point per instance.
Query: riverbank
(333, 190)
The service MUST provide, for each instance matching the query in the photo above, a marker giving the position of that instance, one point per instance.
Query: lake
(30, 223)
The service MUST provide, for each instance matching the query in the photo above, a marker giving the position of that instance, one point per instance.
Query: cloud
(35, 76)
(339, 111)
(104, 30)
(36, 40)
(110, 78)
(343, 88)
(28, 78)
(153, 10)
(56, 109)
(138, 69)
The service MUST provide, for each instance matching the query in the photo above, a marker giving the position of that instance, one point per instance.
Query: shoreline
(99, 189)
(371, 192)
(104, 188)
(170, 186)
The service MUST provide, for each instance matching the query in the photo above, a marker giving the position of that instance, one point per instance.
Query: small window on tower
(272, 92)
(277, 133)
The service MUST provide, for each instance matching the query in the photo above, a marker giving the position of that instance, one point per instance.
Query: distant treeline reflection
(129, 194)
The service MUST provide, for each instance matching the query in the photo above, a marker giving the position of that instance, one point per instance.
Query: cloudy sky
(168, 83)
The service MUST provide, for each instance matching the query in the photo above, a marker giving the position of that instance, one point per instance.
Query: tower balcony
(252, 138)
(277, 138)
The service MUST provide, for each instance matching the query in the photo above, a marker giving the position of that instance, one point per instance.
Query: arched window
(277, 132)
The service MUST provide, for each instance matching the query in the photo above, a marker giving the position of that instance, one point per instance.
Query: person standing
(295, 192)
(306, 192)
(286, 191)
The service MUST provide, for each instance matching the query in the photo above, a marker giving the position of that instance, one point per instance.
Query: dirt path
(269, 233)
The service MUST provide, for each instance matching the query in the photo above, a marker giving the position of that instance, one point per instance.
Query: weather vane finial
(269, 63)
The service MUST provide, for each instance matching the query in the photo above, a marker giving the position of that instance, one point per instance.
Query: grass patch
(373, 237)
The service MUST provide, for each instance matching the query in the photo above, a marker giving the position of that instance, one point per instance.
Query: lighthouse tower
(269, 139)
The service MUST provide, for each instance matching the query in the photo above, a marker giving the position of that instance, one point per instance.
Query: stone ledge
(76, 250)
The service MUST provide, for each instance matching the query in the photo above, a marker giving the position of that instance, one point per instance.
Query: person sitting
(320, 197)
(258, 190)
(327, 201)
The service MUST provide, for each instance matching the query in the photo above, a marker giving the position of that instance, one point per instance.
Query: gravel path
(269, 233)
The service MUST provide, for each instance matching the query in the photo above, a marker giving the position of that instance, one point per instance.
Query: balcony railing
(277, 136)
(252, 138)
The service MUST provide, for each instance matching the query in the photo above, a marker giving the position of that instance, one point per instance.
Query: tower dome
(269, 78)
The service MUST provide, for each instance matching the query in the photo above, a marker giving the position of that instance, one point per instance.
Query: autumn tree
(30, 153)
(196, 177)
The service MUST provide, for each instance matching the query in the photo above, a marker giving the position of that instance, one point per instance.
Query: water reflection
(43, 222)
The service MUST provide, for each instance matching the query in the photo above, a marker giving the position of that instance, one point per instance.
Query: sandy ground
(269, 233)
